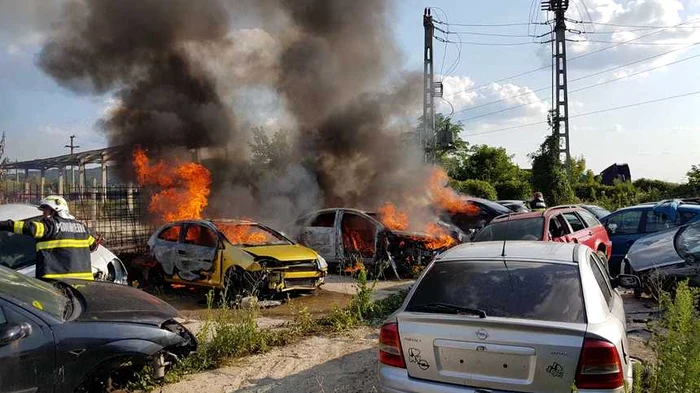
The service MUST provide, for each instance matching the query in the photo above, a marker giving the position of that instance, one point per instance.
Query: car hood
(283, 253)
(107, 302)
(654, 251)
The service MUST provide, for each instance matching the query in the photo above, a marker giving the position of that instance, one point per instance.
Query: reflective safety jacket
(63, 246)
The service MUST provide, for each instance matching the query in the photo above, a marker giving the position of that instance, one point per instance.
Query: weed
(228, 333)
(677, 346)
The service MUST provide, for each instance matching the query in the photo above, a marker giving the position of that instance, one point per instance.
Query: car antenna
(505, 236)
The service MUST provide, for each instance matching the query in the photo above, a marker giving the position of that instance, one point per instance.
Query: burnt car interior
(359, 235)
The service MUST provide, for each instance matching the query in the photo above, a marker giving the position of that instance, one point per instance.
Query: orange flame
(244, 234)
(184, 189)
(445, 197)
(354, 268)
(439, 237)
(392, 218)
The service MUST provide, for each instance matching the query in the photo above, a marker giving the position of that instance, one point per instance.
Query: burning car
(345, 236)
(666, 257)
(242, 257)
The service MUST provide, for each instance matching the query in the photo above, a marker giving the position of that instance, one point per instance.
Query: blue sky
(660, 140)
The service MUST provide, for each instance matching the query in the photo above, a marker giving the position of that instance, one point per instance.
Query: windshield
(687, 242)
(521, 229)
(249, 235)
(34, 293)
(529, 290)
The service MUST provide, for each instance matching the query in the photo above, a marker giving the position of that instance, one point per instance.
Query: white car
(521, 317)
(18, 251)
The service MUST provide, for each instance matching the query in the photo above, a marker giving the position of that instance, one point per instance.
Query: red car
(567, 224)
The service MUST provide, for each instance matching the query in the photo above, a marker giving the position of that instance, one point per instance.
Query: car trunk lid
(494, 353)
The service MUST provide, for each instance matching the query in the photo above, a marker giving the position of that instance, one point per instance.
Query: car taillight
(599, 366)
(390, 346)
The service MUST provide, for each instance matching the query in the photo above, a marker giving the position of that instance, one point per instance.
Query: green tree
(577, 166)
(490, 164)
(476, 188)
(694, 176)
(549, 176)
(270, 153)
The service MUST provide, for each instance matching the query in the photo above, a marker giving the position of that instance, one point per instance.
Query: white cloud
(631, 13)
(13, 50)
(493, 105)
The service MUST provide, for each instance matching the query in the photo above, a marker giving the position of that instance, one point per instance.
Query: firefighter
(63, 244)
(537, 202)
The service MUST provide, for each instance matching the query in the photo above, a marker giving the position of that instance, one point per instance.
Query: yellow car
(243, 257)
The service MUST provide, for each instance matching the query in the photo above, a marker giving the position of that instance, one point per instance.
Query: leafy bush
(476, 188)
(513, 189)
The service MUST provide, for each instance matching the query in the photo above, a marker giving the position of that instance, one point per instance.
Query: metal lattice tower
(560, 115)
(427, 129)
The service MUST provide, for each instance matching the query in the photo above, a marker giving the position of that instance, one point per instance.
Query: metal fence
(117, 213)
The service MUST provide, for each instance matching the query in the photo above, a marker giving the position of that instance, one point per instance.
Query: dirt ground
(344, 363)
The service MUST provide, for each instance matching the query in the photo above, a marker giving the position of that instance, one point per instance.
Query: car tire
(604, 257)
(240, 283)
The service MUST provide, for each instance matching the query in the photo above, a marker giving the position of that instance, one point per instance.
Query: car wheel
(113, 376)
(602, 256)
(240, 283)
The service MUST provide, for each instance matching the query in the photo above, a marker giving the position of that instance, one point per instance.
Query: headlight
(322, 264)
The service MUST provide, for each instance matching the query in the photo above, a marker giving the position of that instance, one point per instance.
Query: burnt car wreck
(664, 258)
(346, 236)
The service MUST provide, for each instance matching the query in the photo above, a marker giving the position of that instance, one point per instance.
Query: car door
(623, 228)
(559, 230)
(319, 233)
(359, 234)
(164, 247)
(26, 351)
(197, 253)
(582, 233)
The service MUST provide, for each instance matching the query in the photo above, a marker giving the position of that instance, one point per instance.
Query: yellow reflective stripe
(77, 276)
(91, 240)
(18, 227)
(40, 230)
(63, 243)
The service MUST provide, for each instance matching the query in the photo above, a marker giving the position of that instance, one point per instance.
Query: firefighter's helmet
(56, 203)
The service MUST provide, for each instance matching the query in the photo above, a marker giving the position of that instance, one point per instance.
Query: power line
(635, 43)
(587, 76)
(580, 89)
(570, 59)
(485, 34)
(486, 43)
(481, 24)
(644, 27)
(593, 112)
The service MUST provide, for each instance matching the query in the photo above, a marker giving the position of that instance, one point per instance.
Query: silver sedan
(527, 317)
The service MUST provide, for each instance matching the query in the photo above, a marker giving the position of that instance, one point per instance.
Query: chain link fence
(117, 213)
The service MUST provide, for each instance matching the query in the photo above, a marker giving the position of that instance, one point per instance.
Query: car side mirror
(627, 281)
(12, 333)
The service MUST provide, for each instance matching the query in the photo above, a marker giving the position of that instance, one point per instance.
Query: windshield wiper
(449, 308)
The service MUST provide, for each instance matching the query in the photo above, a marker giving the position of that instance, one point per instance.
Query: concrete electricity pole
(72, 167)
(560, 115)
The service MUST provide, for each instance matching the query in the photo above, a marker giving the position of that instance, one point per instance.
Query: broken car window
(171, 234)
(358, 235)
(557, 228)
(249, 235)
(326, 220)
(201, 236)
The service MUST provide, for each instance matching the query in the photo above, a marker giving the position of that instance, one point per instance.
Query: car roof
(546, 213)
(515, 250)
(643, 206)
(18, 211)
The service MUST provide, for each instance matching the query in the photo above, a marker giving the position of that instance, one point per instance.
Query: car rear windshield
(527, 290)
(521, 229)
